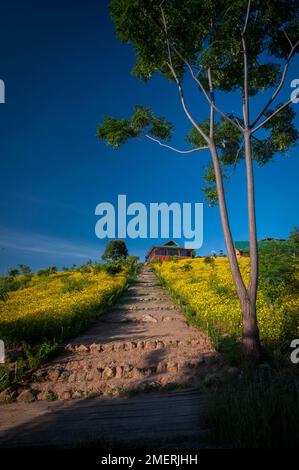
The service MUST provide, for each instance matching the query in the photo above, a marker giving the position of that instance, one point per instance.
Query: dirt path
(143, 344)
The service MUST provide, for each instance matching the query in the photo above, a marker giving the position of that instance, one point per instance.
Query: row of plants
(59, 306)
(40, 310)
(254, 408)
(204, 286)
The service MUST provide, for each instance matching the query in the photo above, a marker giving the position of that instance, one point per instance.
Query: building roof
(244, 245)
(171, 243)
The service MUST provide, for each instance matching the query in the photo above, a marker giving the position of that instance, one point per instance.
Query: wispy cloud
(36, 243)
(39, 201)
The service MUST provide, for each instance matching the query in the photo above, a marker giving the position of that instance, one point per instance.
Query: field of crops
(207, 290)
(57, 306)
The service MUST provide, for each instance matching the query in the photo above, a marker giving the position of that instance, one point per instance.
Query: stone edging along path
(143, 344)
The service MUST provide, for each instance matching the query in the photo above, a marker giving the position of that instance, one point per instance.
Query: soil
(143, 345)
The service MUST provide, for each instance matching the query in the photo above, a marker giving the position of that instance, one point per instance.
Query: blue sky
(64, 70)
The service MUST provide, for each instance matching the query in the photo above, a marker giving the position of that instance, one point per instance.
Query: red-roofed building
(170, 248)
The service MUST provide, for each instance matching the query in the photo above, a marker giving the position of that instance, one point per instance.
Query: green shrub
(97, 268)
(186, 267)
(174, 258)
(74, 285)
(156, 261)
(209, 260)
(4, 378)
(277, 270)
(113, 267)
(115, 250)
(133, 266)
(260, 411)
(36, 356)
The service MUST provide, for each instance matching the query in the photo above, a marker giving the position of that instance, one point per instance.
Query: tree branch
(181, 93)
(196, 79)
(174, 149)
(212, 110)
(247, 17)
(245, 60)
(287, 37)
(280, 85)
(274, 113)
(236, 159)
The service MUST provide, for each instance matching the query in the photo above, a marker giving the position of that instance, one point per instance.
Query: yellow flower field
(57, 306)
(209, 292)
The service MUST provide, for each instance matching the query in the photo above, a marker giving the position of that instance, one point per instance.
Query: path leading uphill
(143, 344)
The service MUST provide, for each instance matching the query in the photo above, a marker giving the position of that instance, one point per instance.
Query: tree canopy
(115, 250)
(196, 36)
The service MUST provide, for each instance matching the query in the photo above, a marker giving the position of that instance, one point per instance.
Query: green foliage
(24, 269)
(47, 272)
(12, 283)
(13, 272)
(276, 270)
(115, 250)
(97, 268)
(70, 284)
(173, 259)
(3, 294)
(283, 134)
(4, 378)
(141, 118)
(133, 266)
(31, 358)
(156, 261)
(210, 260)
(113, 267)
(35, 356)
(208, 36)
(118, 131)
(186, 267)
(161, 128)
(259, 411)
(294, 241)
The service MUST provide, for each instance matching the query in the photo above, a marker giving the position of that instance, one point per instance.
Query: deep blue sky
(64, 70)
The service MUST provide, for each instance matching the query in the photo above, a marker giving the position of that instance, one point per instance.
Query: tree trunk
(250, 337)
(231, 253)
(251, 341)
(247, 297)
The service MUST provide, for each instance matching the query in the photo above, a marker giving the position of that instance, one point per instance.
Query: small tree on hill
(24, 269)
(13, 272)
(294, 241)
(115, 250)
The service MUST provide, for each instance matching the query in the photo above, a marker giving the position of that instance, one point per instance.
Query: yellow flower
(45, 309)
(209, 291)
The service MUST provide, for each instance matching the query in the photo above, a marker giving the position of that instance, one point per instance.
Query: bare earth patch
(143, 344)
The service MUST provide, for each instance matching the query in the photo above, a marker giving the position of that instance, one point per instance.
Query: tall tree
(226, 47)
(115, 250)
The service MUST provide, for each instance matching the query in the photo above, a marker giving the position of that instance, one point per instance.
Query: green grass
(257, 411)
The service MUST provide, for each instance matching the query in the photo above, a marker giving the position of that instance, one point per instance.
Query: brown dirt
(143, 344)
